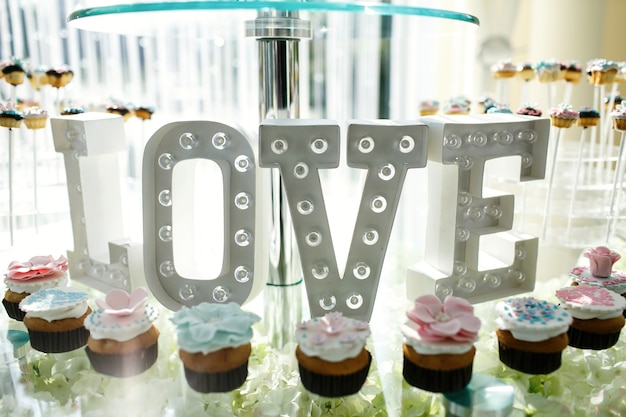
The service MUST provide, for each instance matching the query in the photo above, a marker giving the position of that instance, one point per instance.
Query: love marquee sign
(471, 249)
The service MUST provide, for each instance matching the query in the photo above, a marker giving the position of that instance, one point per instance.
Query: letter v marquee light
(300, 148)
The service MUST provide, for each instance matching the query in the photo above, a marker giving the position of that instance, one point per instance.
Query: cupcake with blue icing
(9, 116)
(214, 345)
(55, 319)
(532, 334)
(123, 340)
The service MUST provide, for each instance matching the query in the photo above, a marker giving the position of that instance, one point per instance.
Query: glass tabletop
(125, 17)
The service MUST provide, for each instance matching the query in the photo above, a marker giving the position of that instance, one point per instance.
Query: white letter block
(300, 148)
(170, 218)
(470, 251)
(93, 145)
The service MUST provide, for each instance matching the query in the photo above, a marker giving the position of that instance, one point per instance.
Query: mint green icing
(210, 327)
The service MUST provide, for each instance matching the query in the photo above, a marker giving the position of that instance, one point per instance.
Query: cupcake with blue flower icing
(214, 345)
(532, 334)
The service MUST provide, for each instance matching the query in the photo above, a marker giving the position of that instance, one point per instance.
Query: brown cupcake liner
(436, 380)
(334, 385)
(218, 381)
(529, 362)
(13, 310)
(57, 342)
(595, 341)
(123, 366)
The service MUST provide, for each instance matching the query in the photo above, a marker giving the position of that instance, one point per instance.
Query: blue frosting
(210, 327)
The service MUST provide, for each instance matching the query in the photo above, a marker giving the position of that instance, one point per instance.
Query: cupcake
(59, 76)
(331, 354)
(529, 109)
(35, 117)
(597, 316)
(547, 71)
(532, 334)
(55, 319)
(617, 99)
(214, 345)
(123, 340)
(428, 107)
(25, 278)
(618, 117)
(37, 77)
(119, 110)
(525, 71)
(14, 72)
(600, 272)
(563, 116)
(72, 111)
(499, 108)
(601, 71)
(9, 116)
(486, 102)
(144, 113)
(573, 72)
(588, 117)
(503, 69)
(455, 107)
(438, 343)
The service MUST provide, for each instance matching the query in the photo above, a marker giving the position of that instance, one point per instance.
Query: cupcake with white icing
(123, 340)
(532, 334)
(27, 277)
(438, 343)
(597, 316)
(55, 319)
(331, 354)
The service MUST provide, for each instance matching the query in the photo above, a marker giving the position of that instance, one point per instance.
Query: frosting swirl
(38, 273)
(586, 302)
(56, 304)
(564, 111)
(210, 327)
(532, 320)
(121, 316)
(333, 337)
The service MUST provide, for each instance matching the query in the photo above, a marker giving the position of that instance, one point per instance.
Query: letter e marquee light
(470, 250)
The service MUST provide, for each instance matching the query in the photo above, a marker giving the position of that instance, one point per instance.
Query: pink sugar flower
(601, 260)
(453, 319)
(36, 267)
(120, 303)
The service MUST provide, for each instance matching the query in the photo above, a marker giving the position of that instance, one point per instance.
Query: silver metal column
(279, 34)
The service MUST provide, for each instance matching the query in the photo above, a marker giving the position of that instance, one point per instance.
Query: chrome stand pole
(278, 34)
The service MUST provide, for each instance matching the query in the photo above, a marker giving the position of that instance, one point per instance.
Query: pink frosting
(36, 267)
(601, 260)
(586, 295)
(452, 320)
(564, 111)
(120, 303)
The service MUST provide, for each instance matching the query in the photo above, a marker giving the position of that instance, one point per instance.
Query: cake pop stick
(588, 117)
(606, 128)
(579, 157)
(10, 118)
(561, 117)
(619, 123)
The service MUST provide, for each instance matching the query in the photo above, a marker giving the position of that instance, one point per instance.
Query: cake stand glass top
(127, 17)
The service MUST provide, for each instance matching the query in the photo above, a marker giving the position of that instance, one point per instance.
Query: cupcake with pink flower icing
(438, 345)
(563, 116)
(599, 272)
(23, 278)
(596, 313)
(123, 340)
(331, 354)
